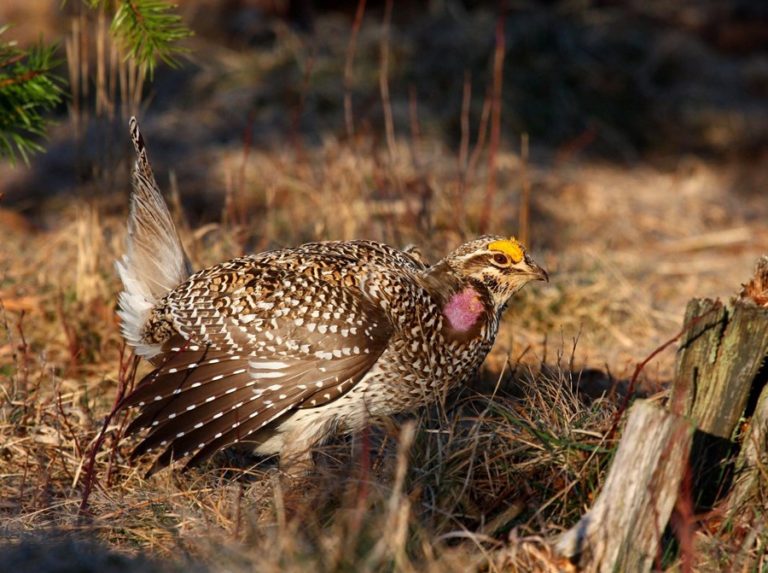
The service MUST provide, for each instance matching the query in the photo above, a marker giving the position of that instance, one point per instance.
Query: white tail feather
(155, 261)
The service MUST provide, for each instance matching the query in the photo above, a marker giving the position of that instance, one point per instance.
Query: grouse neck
(464, 303)
(464, 309)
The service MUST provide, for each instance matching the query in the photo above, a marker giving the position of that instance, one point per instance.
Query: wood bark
(721, 370)
(749, 495)
(720, 380)
(750, 488)
(622, 531)
(719, 359)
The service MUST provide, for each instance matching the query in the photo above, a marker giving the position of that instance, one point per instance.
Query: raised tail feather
(154, 262)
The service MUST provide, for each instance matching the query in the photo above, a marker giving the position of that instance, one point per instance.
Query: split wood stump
(721, 373)
(622, 531)
(715, 426)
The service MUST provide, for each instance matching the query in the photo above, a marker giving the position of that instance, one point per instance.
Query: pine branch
(149, 31)
(28, 88)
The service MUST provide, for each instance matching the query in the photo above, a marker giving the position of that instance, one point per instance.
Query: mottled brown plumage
(285, 348)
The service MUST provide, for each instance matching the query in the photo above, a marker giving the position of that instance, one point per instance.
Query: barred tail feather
(154, 262)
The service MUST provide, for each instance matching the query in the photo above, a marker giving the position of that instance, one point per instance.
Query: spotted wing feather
(254, 346)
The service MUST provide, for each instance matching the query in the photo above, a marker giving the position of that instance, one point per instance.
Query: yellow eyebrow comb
(509, 247)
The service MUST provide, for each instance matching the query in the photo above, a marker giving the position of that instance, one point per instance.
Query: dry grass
(442, 493)
(476, 483)
(461, 491)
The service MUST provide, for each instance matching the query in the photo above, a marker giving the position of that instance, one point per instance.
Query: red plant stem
(639, 368)
(90, 470)
(493, 148)
(683, 522)
(67, 425)
(463, 158)
(413, 110)
(24, 348)
(482, 130)
(525, 197)
(20, 79)
(127, 378)
(389, 124)
(238, 203)
(351, 48)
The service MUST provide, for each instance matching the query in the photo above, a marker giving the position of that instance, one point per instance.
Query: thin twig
(384, 83)
(640, 366)
(525, 196)
(482, 132)
(102, 102)
(25, 359)
(298, 112)
(683, 522)
(413, 112)
(241, 190)
(498, 81)
(72, 46)
(348, 63)
(463, 158)
(90, 471)
(73, 435)
(21, 78)
(85, 60)
(128, 366)
(73, 344)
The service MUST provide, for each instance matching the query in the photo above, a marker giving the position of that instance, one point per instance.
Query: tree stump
(720, 357)
(721, 370)
(750, 489)
(720, 380)
(749, 495)
(622, 531)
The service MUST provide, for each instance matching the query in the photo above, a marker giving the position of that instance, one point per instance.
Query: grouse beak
(538, 273)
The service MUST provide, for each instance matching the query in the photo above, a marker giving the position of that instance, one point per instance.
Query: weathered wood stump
(717, 413)
(750, 489)
(749, 495)
(721, 370)
(720, 357)
(622, 531)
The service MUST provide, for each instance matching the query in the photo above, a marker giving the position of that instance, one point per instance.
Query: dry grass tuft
(476, 483)
(520, 453)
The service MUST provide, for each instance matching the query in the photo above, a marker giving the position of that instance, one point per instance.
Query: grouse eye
(501, 260)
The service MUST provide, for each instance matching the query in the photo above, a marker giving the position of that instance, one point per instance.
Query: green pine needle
(28, 89)
(149, 31)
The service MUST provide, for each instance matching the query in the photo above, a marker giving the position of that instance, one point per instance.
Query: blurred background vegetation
(619, 81)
